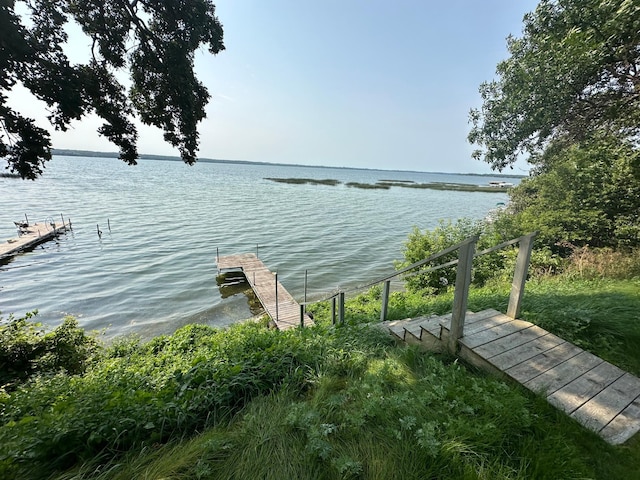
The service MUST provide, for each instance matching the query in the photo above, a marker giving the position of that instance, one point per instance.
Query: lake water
(155, 270)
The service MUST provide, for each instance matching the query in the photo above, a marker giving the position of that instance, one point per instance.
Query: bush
(591, 263)
(27, 349)
(421, 245)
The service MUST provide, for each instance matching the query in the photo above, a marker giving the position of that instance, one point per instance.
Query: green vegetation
(326, 402)
(571, 75)
(386, 184)
(368, 186)
(128, 37)
(303, 181)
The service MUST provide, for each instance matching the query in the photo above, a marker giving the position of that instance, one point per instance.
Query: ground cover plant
(326, 402)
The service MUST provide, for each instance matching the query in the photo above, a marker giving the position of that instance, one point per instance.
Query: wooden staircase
(597, 394)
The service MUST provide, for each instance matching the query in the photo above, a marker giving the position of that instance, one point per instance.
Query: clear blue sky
(353, 83)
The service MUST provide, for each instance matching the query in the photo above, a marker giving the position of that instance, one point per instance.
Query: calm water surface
(155, 270)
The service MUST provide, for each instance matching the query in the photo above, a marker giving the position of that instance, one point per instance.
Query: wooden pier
(276, 301)
(32, 235)
(595, 393)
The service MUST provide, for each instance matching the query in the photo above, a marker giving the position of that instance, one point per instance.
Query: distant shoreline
(144, 156)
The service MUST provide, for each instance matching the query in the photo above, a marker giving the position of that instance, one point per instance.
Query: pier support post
(461, 294)
(276, 275)
(302, 315)
(333, 311)
(341, 308)
(385, 300)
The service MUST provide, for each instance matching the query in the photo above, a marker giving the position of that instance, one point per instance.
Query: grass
(348, 404)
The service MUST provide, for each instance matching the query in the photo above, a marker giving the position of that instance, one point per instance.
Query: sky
(349, 83)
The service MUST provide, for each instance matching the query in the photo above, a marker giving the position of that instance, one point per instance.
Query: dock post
(302, 315)
(109, 224)
(276, 274)
(385, 300)
(63, 225)
(341, 308)
(305, 286)
(333, 310)
(27, 219)
(217, 255)
(461, 293)
(520, 274)
(99, 232)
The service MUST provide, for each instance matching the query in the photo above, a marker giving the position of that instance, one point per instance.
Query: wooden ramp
(31, 236)
(597, 394)
(276, 301)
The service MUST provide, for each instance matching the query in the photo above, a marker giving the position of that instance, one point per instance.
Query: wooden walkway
(276, 301)
(597, 394)
(32, 235)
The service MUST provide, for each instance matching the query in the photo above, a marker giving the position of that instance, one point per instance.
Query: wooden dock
(32, 235)
(276, 301)
(597, 394)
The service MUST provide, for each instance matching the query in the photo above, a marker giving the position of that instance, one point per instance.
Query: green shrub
(27, 349)
(421, 245)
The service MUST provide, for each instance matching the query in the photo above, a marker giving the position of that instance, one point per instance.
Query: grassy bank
(325, 403)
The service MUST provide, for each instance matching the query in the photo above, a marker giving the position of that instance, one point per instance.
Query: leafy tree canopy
(574, 71)
(586, 195)
(153, 40)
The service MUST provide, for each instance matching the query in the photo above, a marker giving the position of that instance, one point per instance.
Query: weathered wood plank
(625, 425)
(609, 403)
(487, 323)
(564, 373)
(474, 340)
(525, 352)
(574, 394)
(509, 342)
(537, 365)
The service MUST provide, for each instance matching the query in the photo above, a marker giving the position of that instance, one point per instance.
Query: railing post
(302, 315)
(385, 300)
(460, 296)
(341, 308)
(520, 274)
